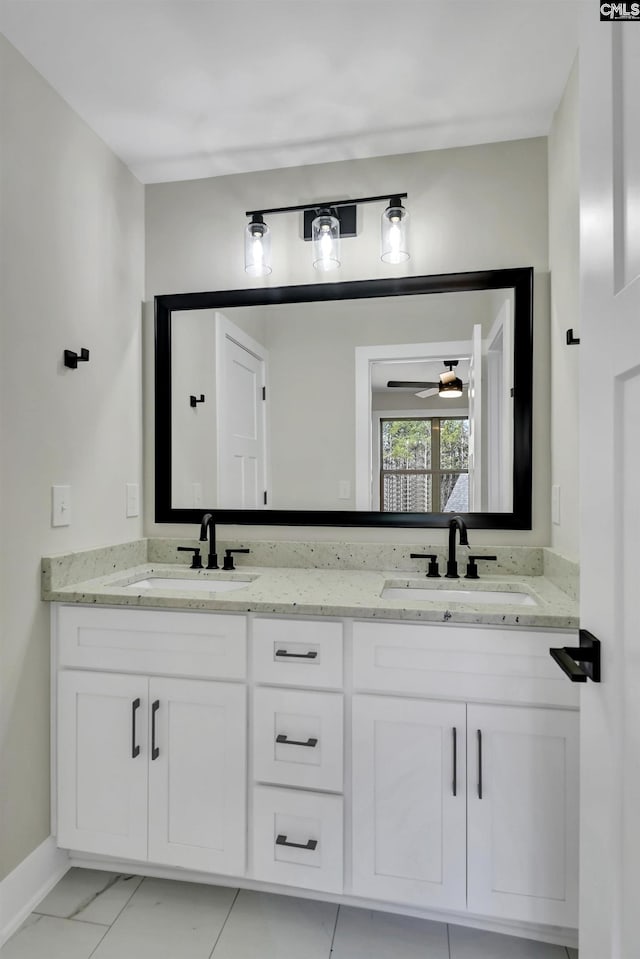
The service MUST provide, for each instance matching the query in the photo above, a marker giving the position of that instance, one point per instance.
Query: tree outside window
(424, 464)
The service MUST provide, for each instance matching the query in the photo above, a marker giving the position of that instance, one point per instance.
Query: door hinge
(264, 392)
(265, 497)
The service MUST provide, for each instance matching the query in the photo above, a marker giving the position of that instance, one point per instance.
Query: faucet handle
(228, 557)
(196, 562)
(432, 569)
(472, 569)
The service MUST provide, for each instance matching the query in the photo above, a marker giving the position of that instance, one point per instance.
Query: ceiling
(183, 89)
(424, 370)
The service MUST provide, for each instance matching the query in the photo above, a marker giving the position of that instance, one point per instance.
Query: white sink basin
(439, 594)
(195, 585)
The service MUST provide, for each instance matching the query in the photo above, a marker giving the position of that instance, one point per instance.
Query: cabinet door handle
(310, 844)
(135, 749)
(479, 764)
(155, 706)
(282, 738)
(312, 654)
(455, 761)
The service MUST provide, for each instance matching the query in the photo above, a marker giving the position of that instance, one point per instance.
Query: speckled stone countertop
(320, 592)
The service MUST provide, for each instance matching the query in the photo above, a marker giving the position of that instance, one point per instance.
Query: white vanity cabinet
(426, 767)
(149, 768)
(506, 844)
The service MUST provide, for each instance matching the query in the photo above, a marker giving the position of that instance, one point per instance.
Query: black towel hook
(71, 359)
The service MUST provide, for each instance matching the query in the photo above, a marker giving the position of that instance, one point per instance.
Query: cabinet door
(102, 763)
(197, 775)
(523, 813)
(409, 801)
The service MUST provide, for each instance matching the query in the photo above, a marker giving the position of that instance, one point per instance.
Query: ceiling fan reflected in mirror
(448, 386)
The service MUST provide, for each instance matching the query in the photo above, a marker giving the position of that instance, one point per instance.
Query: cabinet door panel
(102, 786)
(409, 829)
(523, 831)
(197, 805)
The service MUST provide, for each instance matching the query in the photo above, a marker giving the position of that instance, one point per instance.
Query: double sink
(438, 592)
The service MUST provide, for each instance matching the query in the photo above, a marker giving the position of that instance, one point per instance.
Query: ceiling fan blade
(411, 384)
(423, 394)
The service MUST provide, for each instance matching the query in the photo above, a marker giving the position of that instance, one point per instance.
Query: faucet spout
(456, 523)
(208, 531)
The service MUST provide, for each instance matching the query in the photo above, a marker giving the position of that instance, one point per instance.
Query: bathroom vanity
(415, 756)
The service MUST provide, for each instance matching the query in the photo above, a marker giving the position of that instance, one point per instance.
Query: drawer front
(297, 838)
(205, 645)
(295, 652)
(297, 738)
(462, 662)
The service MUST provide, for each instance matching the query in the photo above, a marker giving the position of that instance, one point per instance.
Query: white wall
(473, 208)
(564, 255)
(72, 263)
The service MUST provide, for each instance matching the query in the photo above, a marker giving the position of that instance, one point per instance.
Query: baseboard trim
(555, 935)
(29, 883)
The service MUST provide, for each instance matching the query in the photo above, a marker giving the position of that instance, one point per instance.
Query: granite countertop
(326, 592)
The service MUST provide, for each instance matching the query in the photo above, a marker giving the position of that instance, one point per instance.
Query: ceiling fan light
(394, 246)
(325, 235)
(450, 390)
(257, 247)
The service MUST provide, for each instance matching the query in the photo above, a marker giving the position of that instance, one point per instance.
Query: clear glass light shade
(325, 235)
(257, 248)
(394, 244)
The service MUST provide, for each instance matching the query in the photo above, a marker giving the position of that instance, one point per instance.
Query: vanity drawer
(297, 652)
(206, 645)
(462, 662)
(311, 723)
(298, 838)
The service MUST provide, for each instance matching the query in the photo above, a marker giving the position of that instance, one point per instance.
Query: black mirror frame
(520, 280)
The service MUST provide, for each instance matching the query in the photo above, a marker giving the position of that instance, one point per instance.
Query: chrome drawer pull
(312, 654)
(310, 844)
(281, 738)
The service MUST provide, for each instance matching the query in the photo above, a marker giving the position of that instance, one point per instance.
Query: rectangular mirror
(383, 402)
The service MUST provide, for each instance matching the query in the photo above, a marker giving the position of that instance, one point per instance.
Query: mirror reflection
(400, 404)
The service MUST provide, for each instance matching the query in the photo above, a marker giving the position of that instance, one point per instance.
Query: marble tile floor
(92, 914)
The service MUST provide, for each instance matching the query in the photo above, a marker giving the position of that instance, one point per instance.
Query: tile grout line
(139, 886)
(335, 927)
(226, 919)
(99, 943)
(111, 925)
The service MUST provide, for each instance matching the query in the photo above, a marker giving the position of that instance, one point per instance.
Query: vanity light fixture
(325, 224)
(450, 387)
(257, 247)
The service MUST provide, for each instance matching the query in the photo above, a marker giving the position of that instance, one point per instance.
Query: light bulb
(394, 246)
(257, 247)
(325, 233)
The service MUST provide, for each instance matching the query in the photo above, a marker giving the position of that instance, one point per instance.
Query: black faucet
(208, 525)
(456, 523)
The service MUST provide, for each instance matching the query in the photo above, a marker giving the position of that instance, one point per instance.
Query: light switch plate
(196, 489)
(61, 506)
(555, 505)
(344, 489)
(133, 499)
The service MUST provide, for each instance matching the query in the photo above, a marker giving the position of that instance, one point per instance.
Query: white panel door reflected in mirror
(219, 441)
